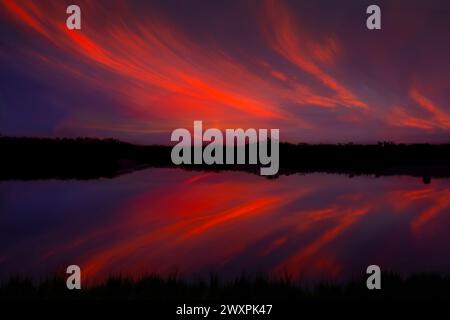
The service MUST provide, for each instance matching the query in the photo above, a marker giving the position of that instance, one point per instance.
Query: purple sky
(139, 69)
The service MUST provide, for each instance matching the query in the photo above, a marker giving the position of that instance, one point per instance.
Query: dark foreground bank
(426, 286)
(86, 158)
(154, 297)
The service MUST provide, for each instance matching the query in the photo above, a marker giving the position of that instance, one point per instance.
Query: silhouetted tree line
(383, 158)
(87, 158)
(81, 158)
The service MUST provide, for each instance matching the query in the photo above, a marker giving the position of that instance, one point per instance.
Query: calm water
(165, 220)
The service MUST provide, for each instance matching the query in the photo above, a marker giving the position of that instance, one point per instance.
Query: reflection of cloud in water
(162, 220)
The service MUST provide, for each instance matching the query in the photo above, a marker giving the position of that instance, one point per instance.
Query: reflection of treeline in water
(426, 286)
(85, 158)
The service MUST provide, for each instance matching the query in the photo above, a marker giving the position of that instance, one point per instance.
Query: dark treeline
(86, 158)
(81, 158)
(382, 159)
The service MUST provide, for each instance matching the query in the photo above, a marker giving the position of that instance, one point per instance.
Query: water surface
(313, 226)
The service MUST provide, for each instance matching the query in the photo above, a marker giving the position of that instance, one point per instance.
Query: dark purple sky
(139, 69)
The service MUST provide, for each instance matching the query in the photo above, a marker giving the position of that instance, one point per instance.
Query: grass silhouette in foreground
(86, 158)
(172, 288)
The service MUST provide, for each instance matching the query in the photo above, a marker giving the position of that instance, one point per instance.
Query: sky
(137, 70)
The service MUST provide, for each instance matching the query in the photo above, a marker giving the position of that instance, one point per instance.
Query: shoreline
(88, 158)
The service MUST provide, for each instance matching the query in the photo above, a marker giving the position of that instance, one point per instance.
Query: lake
(194, 223)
